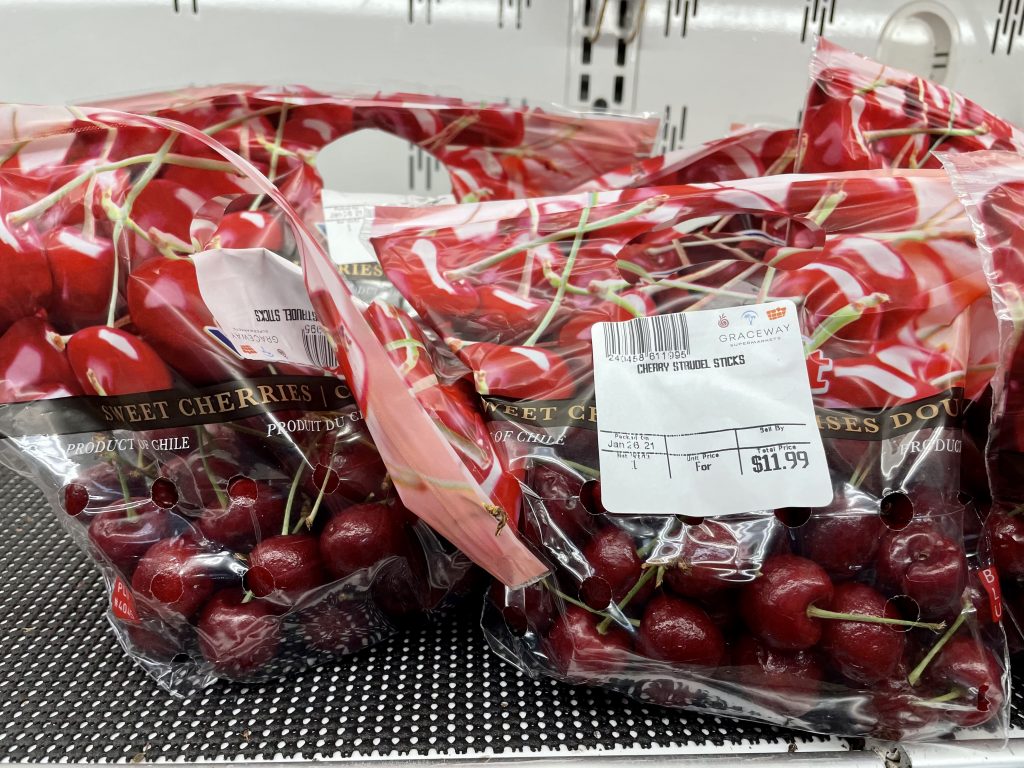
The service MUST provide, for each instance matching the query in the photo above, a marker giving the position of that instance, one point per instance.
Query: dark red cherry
(284, 568)
(123, 535)
(401, 588)
(529, 609)
(925, 564)
(83, 275)
(843, 537)
(792, 678)
(201, 478)
(177, 575)
(238, 637)
(577, 649)
(254, 511)
(862, 652)
(361, 536)
(33, 365)
(152, 639)
(679, 632)
(348, 468)
(900, 711)
(967, 666)
(1005, 531)
(613, 558)
(109, 361)
(558, 509)
(775, 604)
(709, 561)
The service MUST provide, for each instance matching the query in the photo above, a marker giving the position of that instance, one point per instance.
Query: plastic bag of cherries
(241, 512)
(861, 114)
(991, 185)
(853, 608)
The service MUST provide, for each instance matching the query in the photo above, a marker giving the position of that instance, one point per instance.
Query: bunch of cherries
(864, 610)
(227, 548)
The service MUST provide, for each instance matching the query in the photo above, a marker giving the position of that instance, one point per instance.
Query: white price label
(707, 413)
(261, 307)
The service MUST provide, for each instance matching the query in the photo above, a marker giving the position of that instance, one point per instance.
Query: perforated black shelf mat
(67, 693)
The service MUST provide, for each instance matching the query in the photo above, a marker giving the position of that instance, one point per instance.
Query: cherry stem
(129, 512)
(526, 278)
(646, 576)
(820, 613)
(954, 694)
(95, 382)
(728, 284)
(841, 318)
(221, 498)
(766, 284)
(916, 672)
(570, 262)
(825, 207)
(275, 151)
(604, 614)
(562, 234)
(248, 596)
(43, 204)
(888, 133)
(286, 525)
(316, 504)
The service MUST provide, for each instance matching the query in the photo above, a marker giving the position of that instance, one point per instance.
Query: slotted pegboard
(702, 65)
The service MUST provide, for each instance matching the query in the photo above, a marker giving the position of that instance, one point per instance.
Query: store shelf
(70, 695)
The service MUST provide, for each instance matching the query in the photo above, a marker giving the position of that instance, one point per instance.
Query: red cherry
(864, 653)
(284, 568)
(33, 365)
(25, 282)
(844, 536)
(109, 361)
(348, 467)
(361, 536)
(199, 476)
(1005, 531)
(167, 308)
(898, 709)
(966, 665)
(775, 604)
(316, 125)
(613, 558)
(248, 229)
(163, 211)
(921, 562)
(401, 589)
(577, 649)
(792, 678)
(83, 272)
(176, 576)
(124, 535)
(709, 561)
(101, 487)
(679, 632)
(237, 637)
(558, 510)
(254, 511)
(521, 372)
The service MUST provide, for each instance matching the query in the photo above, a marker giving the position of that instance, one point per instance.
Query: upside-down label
(707, 413)
(122, 602)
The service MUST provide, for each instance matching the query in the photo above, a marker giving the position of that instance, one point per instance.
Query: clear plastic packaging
(991, 186)
(723, 613)
(240, 511)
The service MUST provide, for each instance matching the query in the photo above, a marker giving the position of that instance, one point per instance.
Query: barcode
(658, 333)
(319, 349)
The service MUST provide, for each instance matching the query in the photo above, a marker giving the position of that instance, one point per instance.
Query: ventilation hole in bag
(793, 517)
(906, 607)
(352, 164)
(164, 493)
(690, 520)
(326, 478)
(241, 488)
(897, 510)
(74, 498)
